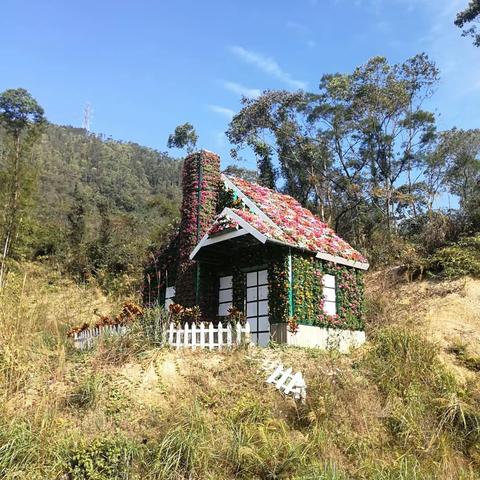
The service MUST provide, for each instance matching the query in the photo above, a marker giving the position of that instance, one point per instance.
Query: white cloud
(242, 90)
(226, 112)
(267, 65)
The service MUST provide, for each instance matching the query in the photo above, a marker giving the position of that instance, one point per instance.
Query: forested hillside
(96, 204)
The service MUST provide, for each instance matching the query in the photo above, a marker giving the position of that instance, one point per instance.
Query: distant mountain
(100, 203)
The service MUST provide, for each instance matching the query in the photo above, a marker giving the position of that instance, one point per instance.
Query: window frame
(326, 287)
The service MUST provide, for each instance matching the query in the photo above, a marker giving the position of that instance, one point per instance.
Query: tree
(21, 118)
(470, 14)
(184, 136)
(354, 150)
(245, 173)
(461, 150)
(267, 175)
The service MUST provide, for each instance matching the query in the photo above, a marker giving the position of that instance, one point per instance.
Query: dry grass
(130, 411)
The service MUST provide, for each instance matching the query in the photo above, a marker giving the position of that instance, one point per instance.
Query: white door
(257, 307)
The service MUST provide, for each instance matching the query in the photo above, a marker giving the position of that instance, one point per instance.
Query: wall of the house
(305, 292)
(308, 293)
(160, 272)
(273, 258)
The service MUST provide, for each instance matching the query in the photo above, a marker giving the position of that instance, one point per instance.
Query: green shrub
(105, 458)
(249, 410)
(320, 472)
(423, 400)
(400, 359)
(459, 259)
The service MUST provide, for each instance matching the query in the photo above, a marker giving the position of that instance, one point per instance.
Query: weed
(87, 392)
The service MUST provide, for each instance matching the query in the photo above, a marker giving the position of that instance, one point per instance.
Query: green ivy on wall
(278, 285)
(307, 289)
(308, 293)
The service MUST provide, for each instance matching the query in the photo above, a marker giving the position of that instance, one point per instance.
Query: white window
(169, 294)
(225, 295)
(329, 295)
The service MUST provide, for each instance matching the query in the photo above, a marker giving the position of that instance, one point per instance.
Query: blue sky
(146, 66)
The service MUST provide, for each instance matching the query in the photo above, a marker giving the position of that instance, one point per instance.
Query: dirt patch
(447, 312)
(456, 316)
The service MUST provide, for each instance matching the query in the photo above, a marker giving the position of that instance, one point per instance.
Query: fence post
(238, 333)
(202, 335)
(179, 331)
(185, 333)
(194, 336)
(247, 332)
(286, 374)
(229, 334)
(210, 336)
(220, 335)
(275, 374)
(297, 380)
(170, 334)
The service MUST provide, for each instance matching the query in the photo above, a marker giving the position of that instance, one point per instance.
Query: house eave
(325, 256)
(245, 229)
(342, 261)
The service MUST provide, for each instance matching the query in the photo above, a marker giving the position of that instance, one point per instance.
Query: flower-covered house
(243, 245)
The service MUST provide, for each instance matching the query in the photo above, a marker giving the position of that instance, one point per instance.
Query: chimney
(200, 186)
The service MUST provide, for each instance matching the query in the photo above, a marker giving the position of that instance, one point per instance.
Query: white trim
(342, 261)
(206, 240)
(244, 224)
(245, 229)
(249, 203)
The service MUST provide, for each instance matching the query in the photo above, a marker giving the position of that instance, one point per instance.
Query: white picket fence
(288, 383)
(86, 339)
(207, 336)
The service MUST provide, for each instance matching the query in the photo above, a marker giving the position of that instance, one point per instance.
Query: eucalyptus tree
(460, 150)
(471, 14)
(21, 119)
(354, 150)
(184, 136)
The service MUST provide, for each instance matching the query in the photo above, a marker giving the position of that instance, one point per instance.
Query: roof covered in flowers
(280, 217)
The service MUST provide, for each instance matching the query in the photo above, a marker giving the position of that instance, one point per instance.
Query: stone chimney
(200, 187)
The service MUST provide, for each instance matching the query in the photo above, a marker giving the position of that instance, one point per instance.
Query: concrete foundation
(319, 337)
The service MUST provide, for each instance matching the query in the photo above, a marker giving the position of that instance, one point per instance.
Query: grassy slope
(391, 410)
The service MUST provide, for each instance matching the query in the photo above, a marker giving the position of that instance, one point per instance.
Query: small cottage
(243, 245)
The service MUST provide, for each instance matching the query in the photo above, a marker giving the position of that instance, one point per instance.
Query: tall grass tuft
(184, 450)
